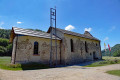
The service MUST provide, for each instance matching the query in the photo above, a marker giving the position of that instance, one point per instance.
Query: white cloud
(69, 27)
(112, 28)
(19, 22)
(88, 29)
(1, 23)
(106, 38)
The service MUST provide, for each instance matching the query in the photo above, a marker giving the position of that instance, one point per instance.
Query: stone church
(72, 48)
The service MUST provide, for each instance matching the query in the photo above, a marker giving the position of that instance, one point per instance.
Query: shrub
(9, 49)
(112, 62)
(3, 51)
(4, 42)
(103, 62)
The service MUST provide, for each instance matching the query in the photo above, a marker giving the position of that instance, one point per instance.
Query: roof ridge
(76, 34)
(69, 31)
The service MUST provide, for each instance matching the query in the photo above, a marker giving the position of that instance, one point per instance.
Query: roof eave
(36, 36)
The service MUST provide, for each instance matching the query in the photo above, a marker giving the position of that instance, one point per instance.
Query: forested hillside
(114, 49)
(4, 33)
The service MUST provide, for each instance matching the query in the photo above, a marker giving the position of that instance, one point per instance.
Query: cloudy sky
(100, 17)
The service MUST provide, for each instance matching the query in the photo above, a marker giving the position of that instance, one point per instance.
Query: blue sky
(100, 17)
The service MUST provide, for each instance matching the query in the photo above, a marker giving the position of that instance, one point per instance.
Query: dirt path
(65, 73)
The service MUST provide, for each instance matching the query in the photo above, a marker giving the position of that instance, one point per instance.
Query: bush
(6, 51)
(9, 50)
(5, 47)
(112, 62)
(3, 51)
(4, 42)
(103, 62)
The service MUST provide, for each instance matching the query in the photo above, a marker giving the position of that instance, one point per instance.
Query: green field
(5, 64)
(106, 61)
(110, 58)
(114, 72)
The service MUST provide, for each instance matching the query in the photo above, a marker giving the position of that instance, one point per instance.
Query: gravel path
(64, 73)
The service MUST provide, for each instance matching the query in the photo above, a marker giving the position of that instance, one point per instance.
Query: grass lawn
(106, 61)
(5, 60)
(114, 72)
(5, 64)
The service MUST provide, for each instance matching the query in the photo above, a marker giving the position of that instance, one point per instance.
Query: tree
(5, 47)
(9, 50)
(116, 53)
(5, 33)
(4, 42)
(3, 51)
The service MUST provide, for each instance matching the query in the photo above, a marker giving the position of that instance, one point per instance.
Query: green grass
(5, 64)
(4, 60)
(114, 72)
(106, 61)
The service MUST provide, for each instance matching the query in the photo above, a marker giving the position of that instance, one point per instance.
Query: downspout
(16, 49)
(11, 54)
(100, 50)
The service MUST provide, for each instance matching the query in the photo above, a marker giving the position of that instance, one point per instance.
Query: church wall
(25, 50)
(61, 35)
(79, 54)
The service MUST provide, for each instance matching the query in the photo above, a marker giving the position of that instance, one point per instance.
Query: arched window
(71, 42)
(35, 47)
(86, 49)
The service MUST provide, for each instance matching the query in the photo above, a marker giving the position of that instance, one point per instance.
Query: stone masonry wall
(79, 54)
(25, 50)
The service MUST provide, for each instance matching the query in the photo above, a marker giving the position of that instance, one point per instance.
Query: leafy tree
(9, 49)
(4, 42)
(116, 53)
(5, 33)
(3, 51)
(5, 47)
